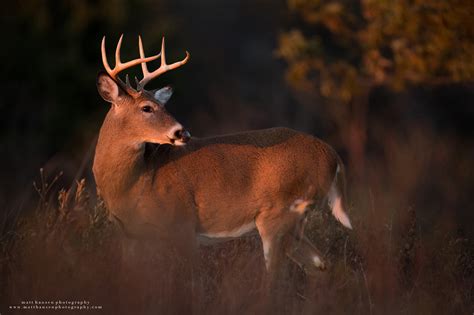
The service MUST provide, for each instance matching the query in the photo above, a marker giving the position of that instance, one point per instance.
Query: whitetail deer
(153, 176)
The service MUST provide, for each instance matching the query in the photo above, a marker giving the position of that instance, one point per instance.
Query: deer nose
(183, 135)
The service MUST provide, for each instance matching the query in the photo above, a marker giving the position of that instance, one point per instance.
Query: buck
(155, 177)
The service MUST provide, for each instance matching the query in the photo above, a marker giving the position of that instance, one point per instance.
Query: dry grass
(403, 257)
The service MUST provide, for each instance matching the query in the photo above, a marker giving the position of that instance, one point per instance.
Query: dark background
(235, 80)
(51, 111)
(407, 139)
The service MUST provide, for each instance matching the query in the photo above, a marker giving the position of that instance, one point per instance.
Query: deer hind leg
(298, 248)
(273, 227)
(303, 253)
(271, 241)
(282, 233)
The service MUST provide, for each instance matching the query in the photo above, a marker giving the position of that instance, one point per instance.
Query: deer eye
(147, 109)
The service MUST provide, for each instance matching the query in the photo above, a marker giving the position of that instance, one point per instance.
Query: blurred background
(389, 84)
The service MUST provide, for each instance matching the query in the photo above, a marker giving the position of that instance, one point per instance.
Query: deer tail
(337, 196)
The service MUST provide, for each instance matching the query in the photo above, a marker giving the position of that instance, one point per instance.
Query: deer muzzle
(180, 136)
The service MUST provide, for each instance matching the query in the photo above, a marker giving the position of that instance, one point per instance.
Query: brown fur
(227, 181)
(211, 185)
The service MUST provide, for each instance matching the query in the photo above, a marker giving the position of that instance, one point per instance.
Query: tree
(343, 49)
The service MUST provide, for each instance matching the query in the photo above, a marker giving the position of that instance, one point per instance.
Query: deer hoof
(319, 263)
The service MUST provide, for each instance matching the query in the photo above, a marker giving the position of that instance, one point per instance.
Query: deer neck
(118, 164)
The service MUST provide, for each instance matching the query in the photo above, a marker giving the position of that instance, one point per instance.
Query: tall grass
(411, 251)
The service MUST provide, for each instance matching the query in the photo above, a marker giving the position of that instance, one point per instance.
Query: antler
(148, 76)
(119, 66)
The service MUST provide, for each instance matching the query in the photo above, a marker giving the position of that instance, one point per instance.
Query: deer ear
(163, 95)
(107, 87)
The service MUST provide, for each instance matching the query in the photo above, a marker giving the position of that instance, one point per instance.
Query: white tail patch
(335, 203)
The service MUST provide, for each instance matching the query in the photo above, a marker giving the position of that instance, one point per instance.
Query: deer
(154, 176)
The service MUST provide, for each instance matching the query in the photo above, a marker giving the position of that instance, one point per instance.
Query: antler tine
(104, 57)
(142, 55)
(164, 67)
(163, 52)
(119, 66)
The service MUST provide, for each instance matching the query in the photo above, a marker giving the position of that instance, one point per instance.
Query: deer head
(141, 113)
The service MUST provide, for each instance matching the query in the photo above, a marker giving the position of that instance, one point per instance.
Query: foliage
(345, 46)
